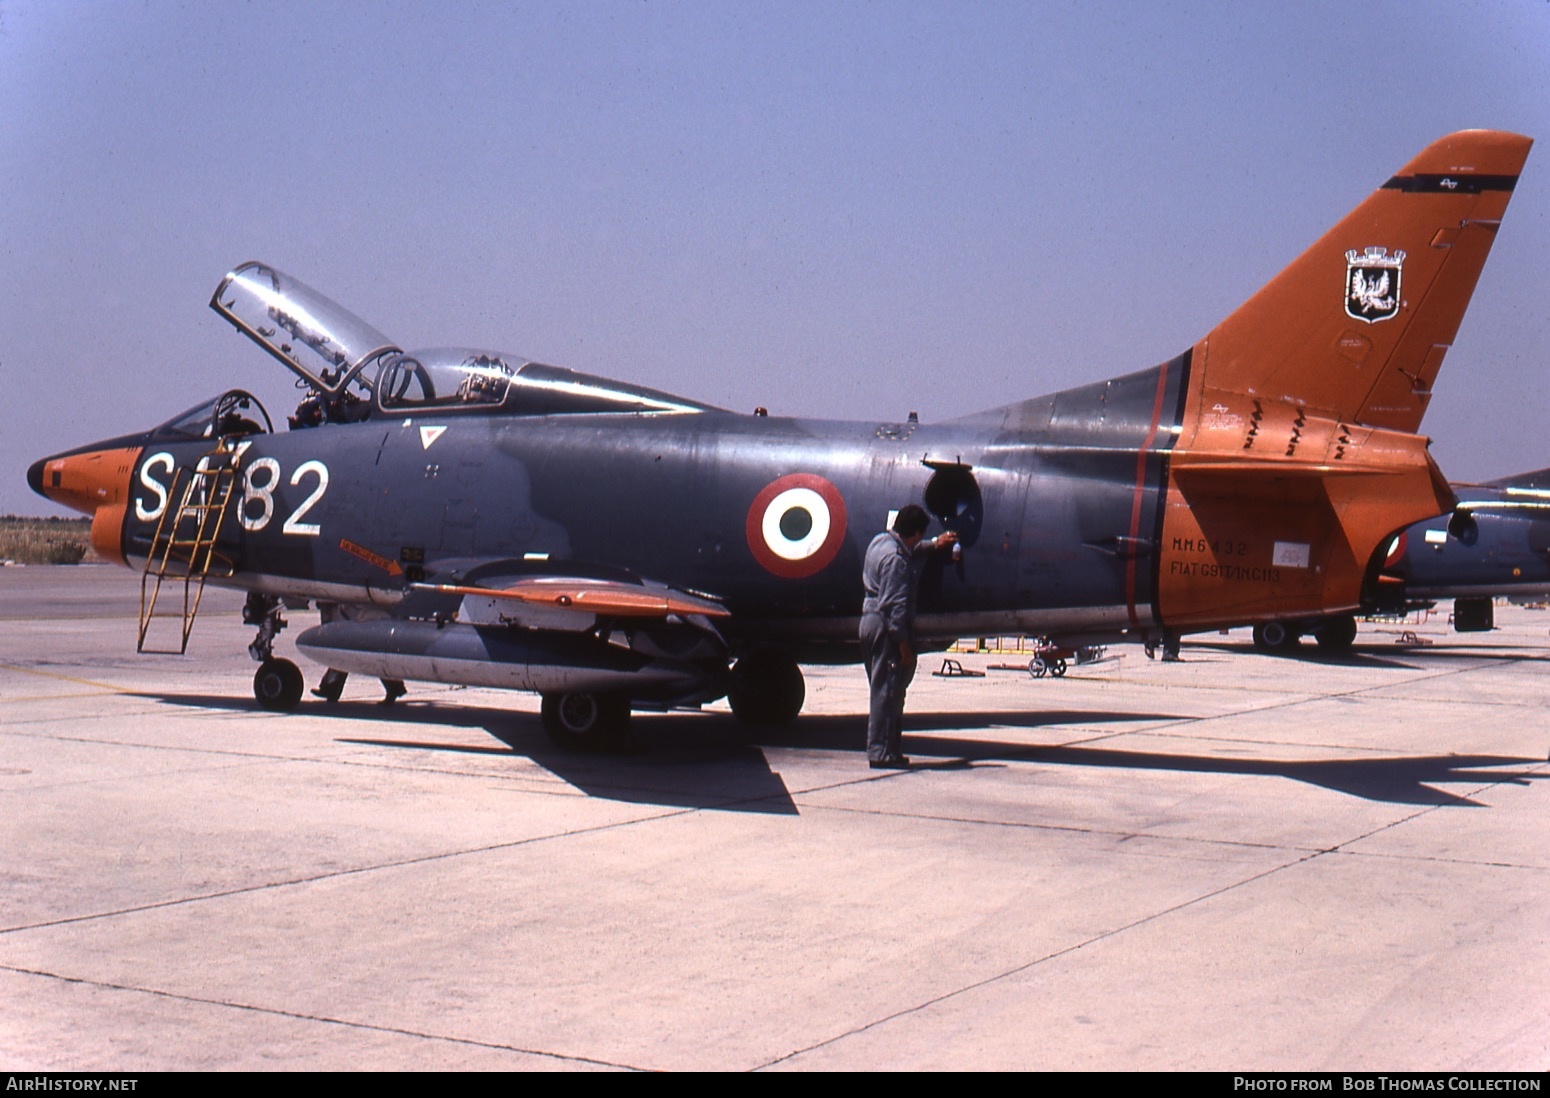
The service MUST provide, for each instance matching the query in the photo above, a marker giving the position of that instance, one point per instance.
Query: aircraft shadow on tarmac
(725, 772)
(1406, 780)
(711, 761)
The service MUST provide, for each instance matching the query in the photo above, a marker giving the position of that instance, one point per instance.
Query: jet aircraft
(467, 516)
(1495, 542)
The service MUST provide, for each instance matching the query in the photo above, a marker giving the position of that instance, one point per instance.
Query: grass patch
(45, 540)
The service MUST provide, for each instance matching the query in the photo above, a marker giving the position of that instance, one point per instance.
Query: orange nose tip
(87, 479)
(94, 481)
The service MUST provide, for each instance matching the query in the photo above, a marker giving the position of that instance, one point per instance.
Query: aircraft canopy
(330, 349)
(461, 377)
(321, 342)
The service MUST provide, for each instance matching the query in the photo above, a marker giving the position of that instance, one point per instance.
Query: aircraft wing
(612, 598)
(496, 625)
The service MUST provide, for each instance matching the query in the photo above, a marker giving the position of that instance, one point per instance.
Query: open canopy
(321, 342)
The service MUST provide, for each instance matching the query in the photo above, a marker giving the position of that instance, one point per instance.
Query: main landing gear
(278, 683)
(580, 721)
(767, 689)
(1337, 634)
(1334, 635)
(1275, 636)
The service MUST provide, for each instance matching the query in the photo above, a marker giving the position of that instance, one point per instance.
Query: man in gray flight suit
(888, 628)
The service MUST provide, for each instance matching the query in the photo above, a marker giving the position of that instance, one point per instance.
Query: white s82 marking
(293, 525)
(255, 508)
(163, 460)
(263, 494)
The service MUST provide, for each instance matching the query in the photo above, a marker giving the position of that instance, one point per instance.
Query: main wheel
(767, 689)
(1274, 636)
(1337, 634)
(277, 685)
(586, 722)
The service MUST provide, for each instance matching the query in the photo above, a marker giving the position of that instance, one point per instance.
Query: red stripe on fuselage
(1135, 505)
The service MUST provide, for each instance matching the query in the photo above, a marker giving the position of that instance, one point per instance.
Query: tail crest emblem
(1372, 284)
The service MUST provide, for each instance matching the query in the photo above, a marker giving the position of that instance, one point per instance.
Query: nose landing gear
(278, 683)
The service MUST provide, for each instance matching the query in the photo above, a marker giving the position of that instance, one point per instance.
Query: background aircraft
(467, 516)
(1495, 542)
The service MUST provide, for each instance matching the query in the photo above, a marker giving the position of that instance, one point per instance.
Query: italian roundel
(796, 525)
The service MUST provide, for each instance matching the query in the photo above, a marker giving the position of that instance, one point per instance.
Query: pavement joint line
(1393, 857)
(192, 749)
(109, 687)
(354, 871)
(1419, 674)
(1301, 744)
(1292, 702)
(569, 790)
(106, 693)
(1072, 828)
(1169, 731)
(1051, 956)
(257, 758)
(322, 1018)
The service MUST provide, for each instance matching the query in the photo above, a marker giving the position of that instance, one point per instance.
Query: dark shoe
(892, 762)
(393, 689)
(331, 686)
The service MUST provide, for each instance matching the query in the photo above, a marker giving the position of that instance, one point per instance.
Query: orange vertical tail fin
(1298, 453)
(1356, 328)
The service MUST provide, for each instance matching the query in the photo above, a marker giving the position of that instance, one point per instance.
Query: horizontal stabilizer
(1538, 480)
(1528, 507)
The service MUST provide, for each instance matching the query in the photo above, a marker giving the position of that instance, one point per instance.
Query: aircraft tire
(1275, 636)
(767, 689)
(277, 685)
(580, 721)
(1337, 635)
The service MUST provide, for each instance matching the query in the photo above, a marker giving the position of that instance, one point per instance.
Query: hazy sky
(836, 209)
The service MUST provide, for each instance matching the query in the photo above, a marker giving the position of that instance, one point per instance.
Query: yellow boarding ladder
(183, 546)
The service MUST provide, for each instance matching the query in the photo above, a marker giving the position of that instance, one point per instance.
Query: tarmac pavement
(1235, 862)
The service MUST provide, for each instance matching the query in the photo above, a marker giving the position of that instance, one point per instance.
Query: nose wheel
(277, 685)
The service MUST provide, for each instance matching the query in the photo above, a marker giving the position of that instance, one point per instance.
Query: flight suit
(887, 622)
